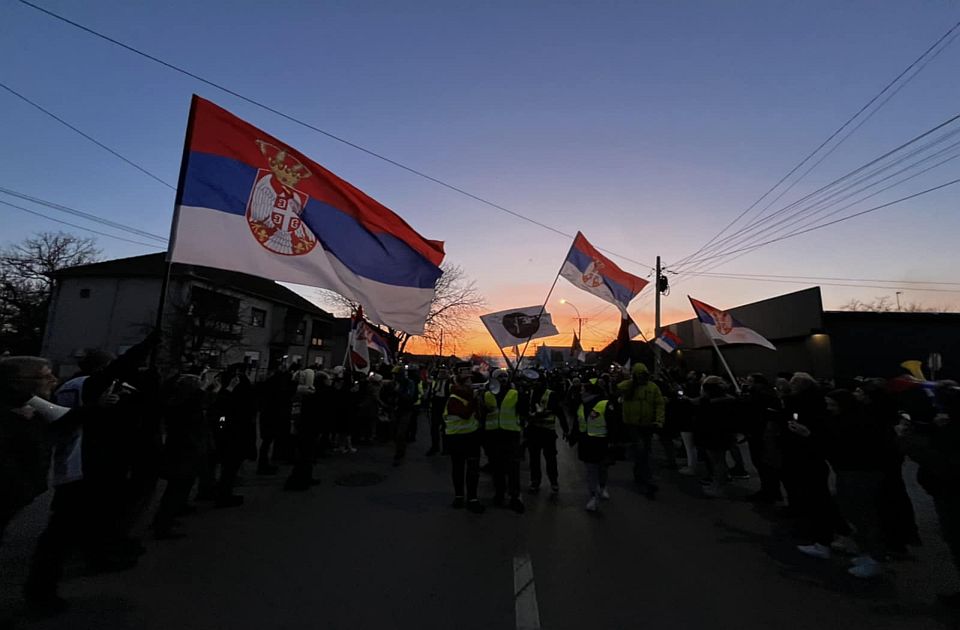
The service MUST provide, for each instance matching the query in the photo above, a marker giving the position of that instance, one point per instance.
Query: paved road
(394, 556)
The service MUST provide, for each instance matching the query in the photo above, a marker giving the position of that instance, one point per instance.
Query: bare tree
(456, 300)
(887, 304)
(26, 282)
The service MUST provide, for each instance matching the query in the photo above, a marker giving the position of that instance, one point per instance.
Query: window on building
(318, 332)
(301, 332)
(84, 293)
(258, 317)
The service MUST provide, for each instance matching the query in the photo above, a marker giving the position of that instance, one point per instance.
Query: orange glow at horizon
(598, 331)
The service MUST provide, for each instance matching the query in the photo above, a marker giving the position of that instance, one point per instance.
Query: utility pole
(898, 300)
(441, 344)
(656, 322)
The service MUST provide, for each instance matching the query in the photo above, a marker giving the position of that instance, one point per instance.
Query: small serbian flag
(250, 203)
(376, 341)
(588, 269)
(667, 341)
(721, 325)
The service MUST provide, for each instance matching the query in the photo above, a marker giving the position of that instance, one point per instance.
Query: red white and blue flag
(250, 203)
(588, 269)
(376, 341)
(722, 326)
(667, 341)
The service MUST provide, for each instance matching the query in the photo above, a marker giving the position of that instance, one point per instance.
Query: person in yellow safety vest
(502, 438)
(462, 441)
(590, 435)
(435, 400)
(643, 416)
(542, 408)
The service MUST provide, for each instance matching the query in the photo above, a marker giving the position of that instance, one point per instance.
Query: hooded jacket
(643, 405)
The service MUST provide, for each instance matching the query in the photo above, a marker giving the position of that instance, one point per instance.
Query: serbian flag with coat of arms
(722, 326)
(588, 269)
(250, 203)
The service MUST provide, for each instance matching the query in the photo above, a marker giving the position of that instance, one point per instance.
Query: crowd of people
(830, 456)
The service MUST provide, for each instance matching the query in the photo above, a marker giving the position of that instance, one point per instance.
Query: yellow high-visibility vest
(505, 416)
(594, 425)
(454, 424)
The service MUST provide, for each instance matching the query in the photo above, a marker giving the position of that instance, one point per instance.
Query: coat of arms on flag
(250, 203)
(722, 326)
(588, 269)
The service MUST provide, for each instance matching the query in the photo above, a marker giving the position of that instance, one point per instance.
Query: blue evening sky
(646, 125)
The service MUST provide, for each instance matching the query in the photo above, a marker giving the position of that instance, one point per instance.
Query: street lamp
(579, 319)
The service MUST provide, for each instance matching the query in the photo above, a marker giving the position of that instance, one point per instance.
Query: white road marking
(525, 594)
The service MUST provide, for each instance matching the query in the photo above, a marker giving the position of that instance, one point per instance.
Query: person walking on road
(591, 438)
(502, 439)
(462, 440)
(543, 408)
(643, 416)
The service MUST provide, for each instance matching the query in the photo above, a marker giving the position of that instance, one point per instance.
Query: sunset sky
(647, 126)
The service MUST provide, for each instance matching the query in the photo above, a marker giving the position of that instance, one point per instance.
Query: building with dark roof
(212, 316)
(827, 344)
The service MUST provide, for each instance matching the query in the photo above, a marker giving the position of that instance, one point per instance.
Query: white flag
(514, 326)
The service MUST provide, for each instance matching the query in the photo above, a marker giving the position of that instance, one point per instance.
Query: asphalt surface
(394, 555)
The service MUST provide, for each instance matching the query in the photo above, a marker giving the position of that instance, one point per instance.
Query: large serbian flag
(250, 203)
(588, 269)
(721, 325)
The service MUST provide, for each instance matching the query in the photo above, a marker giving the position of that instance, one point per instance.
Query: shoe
(351, 450)
(517, 505)
(816, 550)
(740, 474)
(846, 545)
(706, 481)
(206, 496)
(498, 501)
(110, 565)
(712, 493)
(534, 488)
(267, 469)
(186, 510)
(474, 505)
(234, 500)
(593, 504)
(458, 503)
(431, 452)
(397, 462)
(950, 600)
(865, 568)
(604, 494)
(554, 488)
(651, 492)
(688, 471)
(296, 485)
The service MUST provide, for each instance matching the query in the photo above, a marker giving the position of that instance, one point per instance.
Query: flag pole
(178, 200)
(733, 380)
(542, 309)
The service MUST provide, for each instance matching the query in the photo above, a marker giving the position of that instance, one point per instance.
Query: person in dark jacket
(760, 405)
(898, 520)
(715, 415)
(24, 434)
(235, 409)
(805, 470)
(935, 446)
(314, 406)
(859, 449)
(276, 398)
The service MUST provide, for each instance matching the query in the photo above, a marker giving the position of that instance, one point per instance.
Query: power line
(792, 221)
(307, 125)
(835, 284)
(828, 201)
(840, 220)
(85, 135)
(827, 141)
(86, 215)
(79, 227)
(748, 276)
